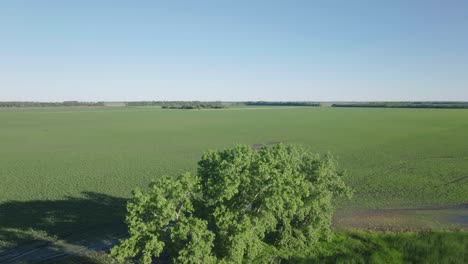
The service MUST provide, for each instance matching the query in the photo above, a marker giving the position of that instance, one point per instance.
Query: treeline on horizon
(220, 104)
(180, 104)
(280, 103)
(49, 104)
(192, 105)
(162, 104)
(442, 105)
(217, 104)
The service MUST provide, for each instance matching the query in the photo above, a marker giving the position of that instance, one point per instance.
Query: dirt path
(47, 251)
(412, 219)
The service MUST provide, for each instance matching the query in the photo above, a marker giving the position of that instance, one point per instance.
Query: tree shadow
(44, 228)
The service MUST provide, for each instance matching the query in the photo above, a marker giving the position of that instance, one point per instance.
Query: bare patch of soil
(259, 146)
(409, 219)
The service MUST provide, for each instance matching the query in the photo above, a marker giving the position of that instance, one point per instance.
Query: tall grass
(374, 247)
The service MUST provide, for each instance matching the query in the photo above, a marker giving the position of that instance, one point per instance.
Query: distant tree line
(144, 103)
(216, 104)
(444, 105)
(180, 104)
(49, 104)
(193, 105)
(163, 104)
(266, 103)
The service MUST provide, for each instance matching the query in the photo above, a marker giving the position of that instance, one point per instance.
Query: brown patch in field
(411, 219)
(259, 146)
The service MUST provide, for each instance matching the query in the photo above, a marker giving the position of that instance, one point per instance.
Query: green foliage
(161, 216)
(243, 206)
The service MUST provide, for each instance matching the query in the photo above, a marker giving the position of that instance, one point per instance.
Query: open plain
(66, 173)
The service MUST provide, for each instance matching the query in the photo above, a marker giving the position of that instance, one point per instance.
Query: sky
(234, 50)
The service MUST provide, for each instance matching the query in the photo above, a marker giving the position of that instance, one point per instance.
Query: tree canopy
(243, 205)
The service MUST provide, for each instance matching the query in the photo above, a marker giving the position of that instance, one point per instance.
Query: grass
(374, 247)
(394, 157)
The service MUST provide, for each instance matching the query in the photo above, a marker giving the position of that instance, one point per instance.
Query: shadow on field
(34, 231)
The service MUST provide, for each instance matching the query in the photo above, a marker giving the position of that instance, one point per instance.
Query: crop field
(73, 168)
(394, 157)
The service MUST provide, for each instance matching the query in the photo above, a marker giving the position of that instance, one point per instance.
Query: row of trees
(448, 105)
(144, 103)
(49, 104)
(218, 105)
(266, 103)
(179, 104)
(163, 104)
(192, 105)
(243, 206)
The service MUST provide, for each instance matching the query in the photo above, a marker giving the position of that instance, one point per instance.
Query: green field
(394, 157)
(65, 173)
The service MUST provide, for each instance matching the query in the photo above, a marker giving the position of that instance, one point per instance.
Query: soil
(448, 217)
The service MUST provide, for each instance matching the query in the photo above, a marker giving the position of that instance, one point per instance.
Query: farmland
(394, 157)
(65, 169)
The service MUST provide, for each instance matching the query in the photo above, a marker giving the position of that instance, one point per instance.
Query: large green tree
(244, 205)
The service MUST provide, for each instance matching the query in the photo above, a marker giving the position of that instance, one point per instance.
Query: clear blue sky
(233, 50)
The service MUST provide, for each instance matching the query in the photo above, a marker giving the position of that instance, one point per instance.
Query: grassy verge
(392, 247)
